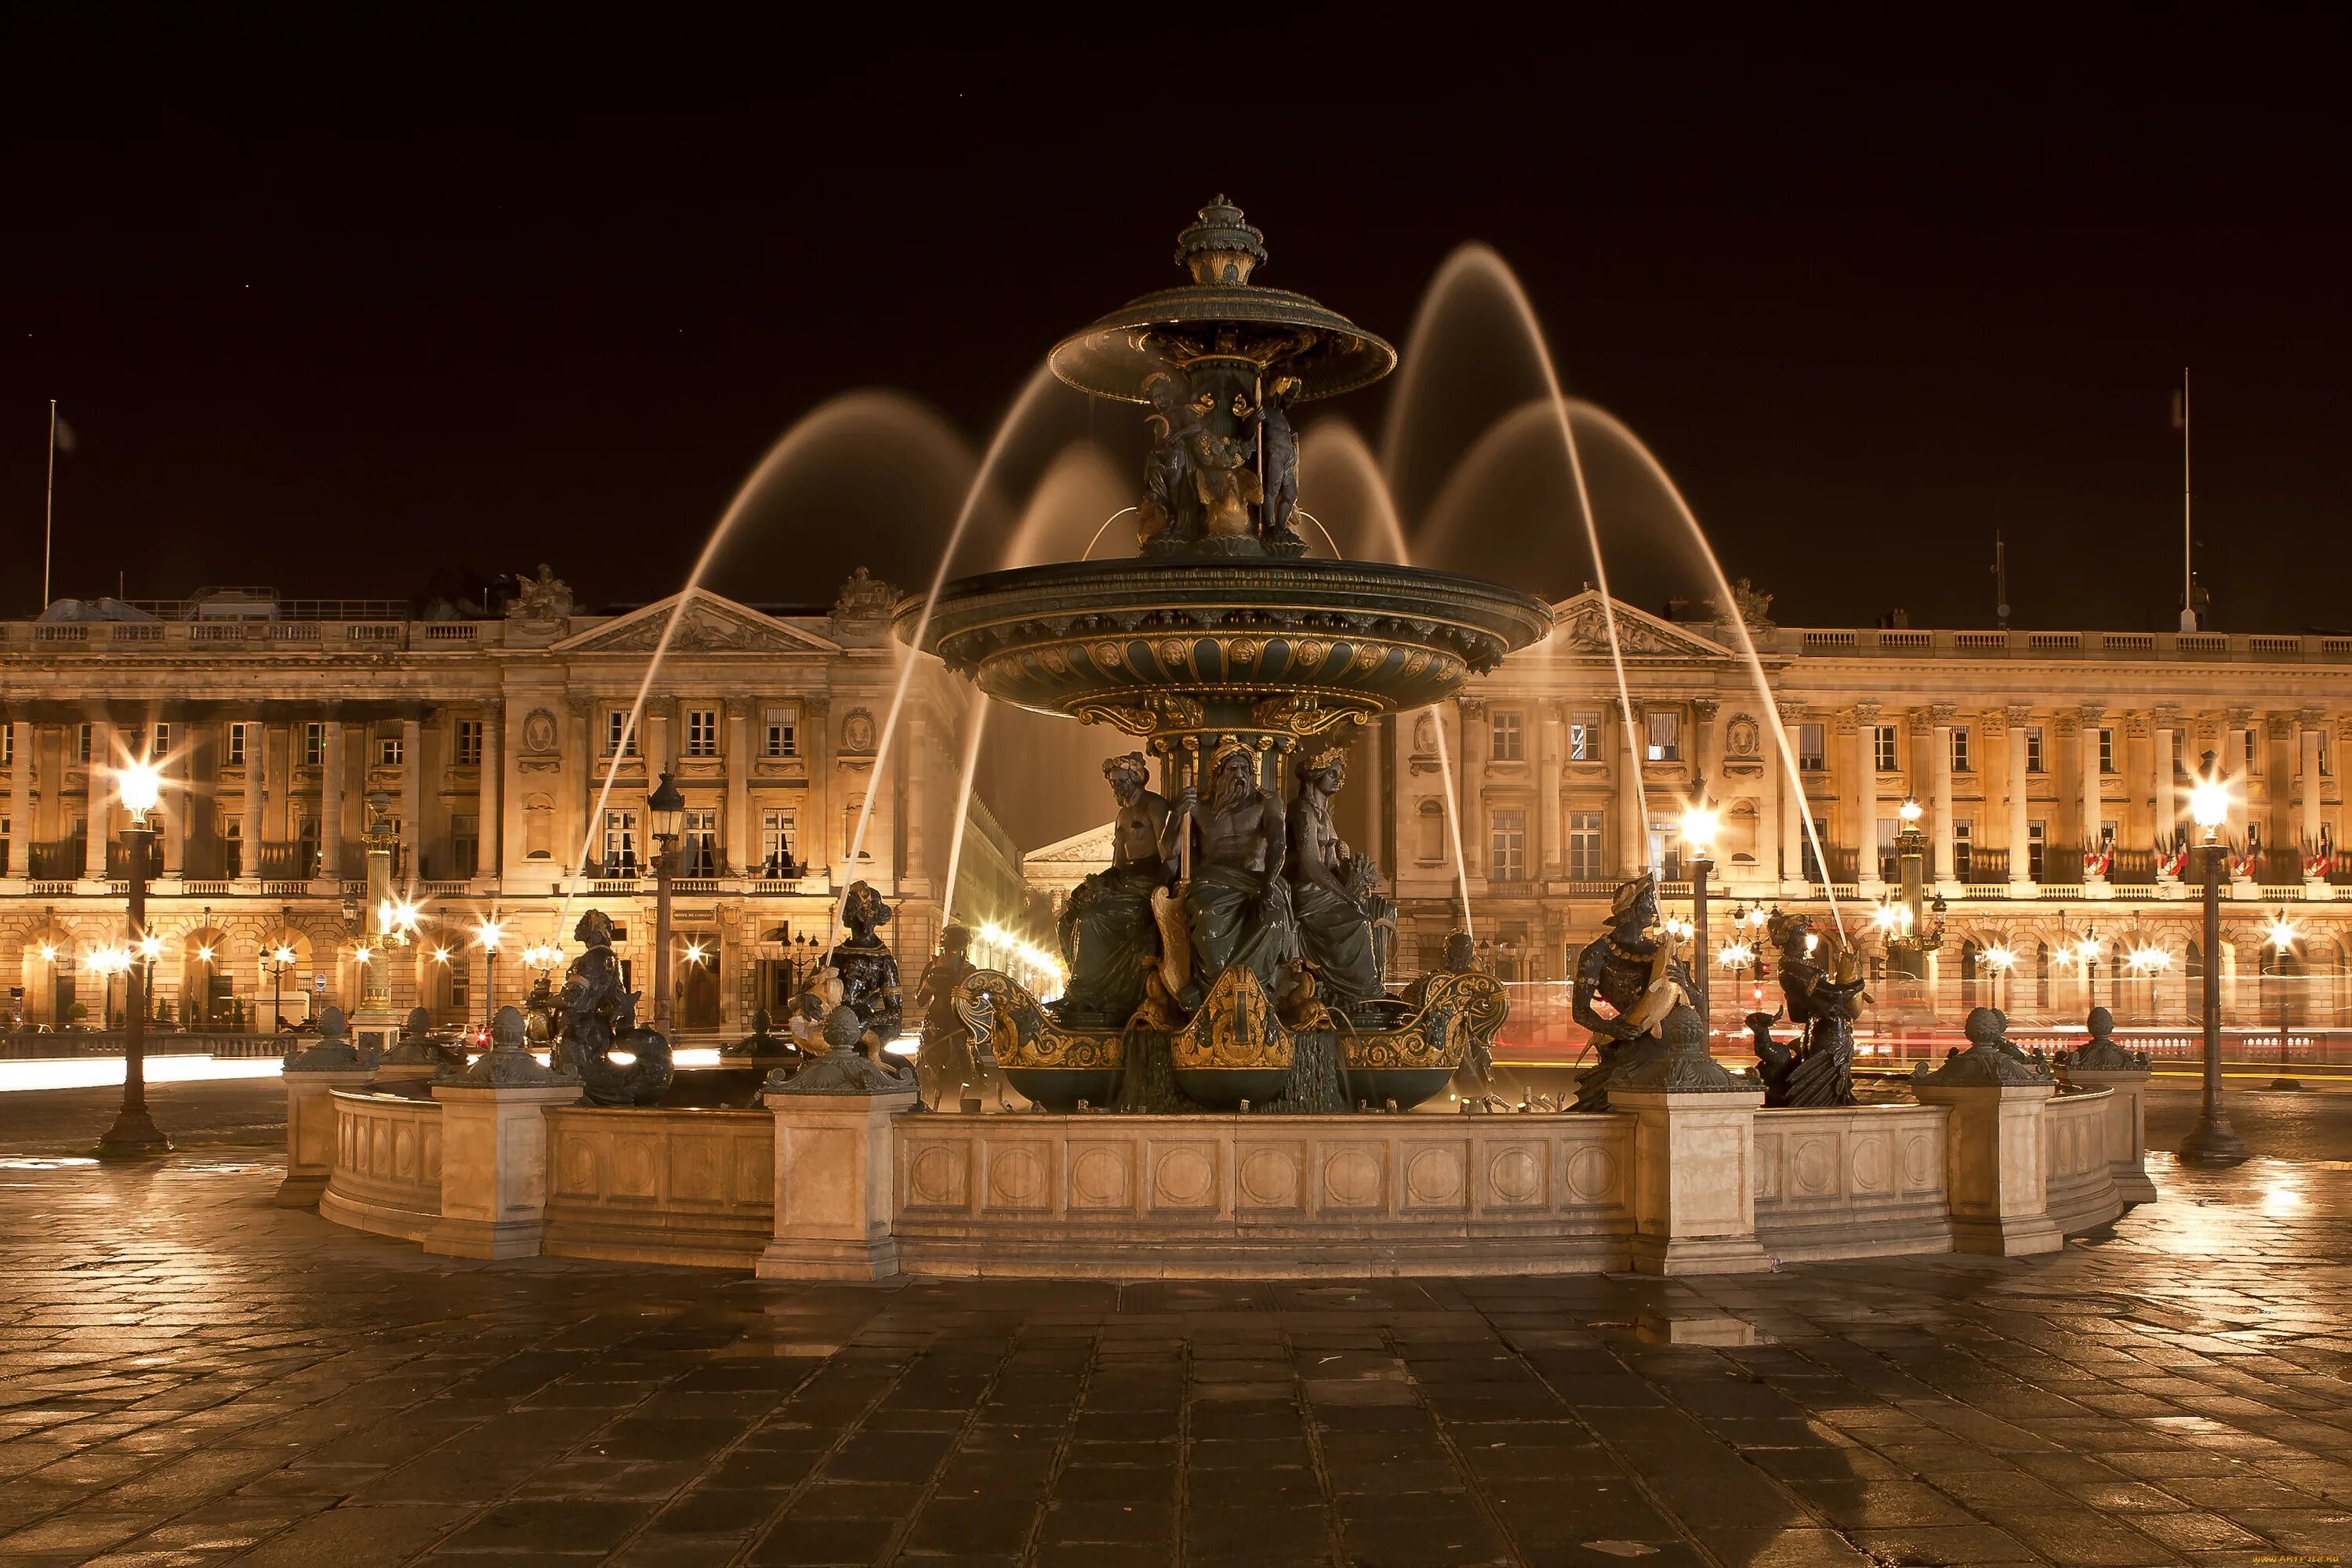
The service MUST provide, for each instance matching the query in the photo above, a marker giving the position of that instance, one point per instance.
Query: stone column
(1633, 831)
(27, 742)
(1869, 883)
(1793, 806)
(2094, 718)
(98, 782)
(655, 739)
(837, 1185)
(1551, 818)
(916, 754)
(332, 771)
(1469, 777)
(2021, 884)
(2308, 825)
(488, 861)
(742, 847)
(581, 824)
(1944, 871)
(412, 799)
(819, 832)
(1694, 1179)
(1771, 785)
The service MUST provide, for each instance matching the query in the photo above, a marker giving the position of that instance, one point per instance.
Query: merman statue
(1639, 977)
(1108, 936)
(1817, 1070)
(1332, 889)
(1237, 905)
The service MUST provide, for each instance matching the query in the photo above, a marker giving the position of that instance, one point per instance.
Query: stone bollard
(494, 1148)
(1694, 1181)
(312, 1078)
(836, 1162)
(2100, 1063)
(1994, 1170)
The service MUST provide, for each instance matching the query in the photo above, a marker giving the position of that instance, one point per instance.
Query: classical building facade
(2052, 770)
(511, 760)
(2023, 750)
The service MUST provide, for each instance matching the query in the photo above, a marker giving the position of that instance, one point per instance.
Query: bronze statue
(1332, 886)
(865, 967)
(1108, 938)
(1278, 446)
(598, 1016)
(1170, 514)
(1816, 1069)
(946, 1053)
(2100, 1053)
(1638, 976)
(763, 1041)
(1224, 475)
(1237, 905)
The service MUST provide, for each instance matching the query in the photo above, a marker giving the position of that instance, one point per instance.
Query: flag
(65, 437)
(2180, 411)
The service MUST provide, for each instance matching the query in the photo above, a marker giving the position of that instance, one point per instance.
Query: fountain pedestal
(1694, 1180)
(494, 1167)
(837, 1185)
(2125, 1127)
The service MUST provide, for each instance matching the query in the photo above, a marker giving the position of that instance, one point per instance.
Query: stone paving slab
(189, 1376)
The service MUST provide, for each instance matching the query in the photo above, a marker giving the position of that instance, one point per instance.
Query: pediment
(708, 623)
(1581, 626)
(1090, 848)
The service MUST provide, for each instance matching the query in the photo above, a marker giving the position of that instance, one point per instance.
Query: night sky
(338, 310)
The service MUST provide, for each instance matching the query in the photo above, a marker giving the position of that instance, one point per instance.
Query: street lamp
(1911, 935)
(375, 980)
(1700, 821)
(666, 808)
(282, 959)
(487, 936)
(2213, 1141)
(134, 1133)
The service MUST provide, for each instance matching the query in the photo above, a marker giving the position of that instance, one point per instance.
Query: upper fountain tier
(1221, 631)
(1222, 315)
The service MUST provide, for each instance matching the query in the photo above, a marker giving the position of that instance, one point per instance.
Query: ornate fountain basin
(1154, 648)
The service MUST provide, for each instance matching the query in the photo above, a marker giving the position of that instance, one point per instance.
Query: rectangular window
(2037, 839)
(7, 744)
(1890, 868)
(776, 840)
(314, 745)
(782, 732)
(700, 857)
(1666, 849)
(2106, 750)
(1810, 860)
(469, 742)
(2250, 752)
(7, 845)
(703, 732)
(2108, 833)
(2181, 760)
(465, 845)
(1960, 749)
(1509, 739)
(159, 745)
(620, 844)
(1584, 845)
(1882, 748)
(1963, 849)
(1508, 861)
(461, 989)
(233, 846)
(391, 751)
(2326, 765)
(1584, 738)
(1665, 736)
(620, 735)
(2034, 758)
(1812, 747)
(83, 739)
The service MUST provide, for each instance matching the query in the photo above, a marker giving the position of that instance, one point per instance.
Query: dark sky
(333, 303)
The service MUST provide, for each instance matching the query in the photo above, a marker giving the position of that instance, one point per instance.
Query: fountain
(1227, 959)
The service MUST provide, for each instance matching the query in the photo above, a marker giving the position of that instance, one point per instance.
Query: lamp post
(282, 959)
(134, 1133)
(1700, 823)
(2282, 934)
(487, 936)
(2213, 1141)
(666, 808)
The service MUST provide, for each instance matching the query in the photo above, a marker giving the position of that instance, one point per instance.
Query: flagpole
(2188, 569)
(49, 506)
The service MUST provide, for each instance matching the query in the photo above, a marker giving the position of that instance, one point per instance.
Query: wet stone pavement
(188, 1375)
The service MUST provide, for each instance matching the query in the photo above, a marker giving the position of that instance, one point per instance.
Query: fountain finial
(1221, 246)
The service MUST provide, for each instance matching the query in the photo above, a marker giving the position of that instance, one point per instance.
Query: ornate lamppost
(2213, 1141)
(1700, 821)
(2282, 935)
(666, 809)
(487, 936)
(134, 1133)
(1916, 926)
(281, 960)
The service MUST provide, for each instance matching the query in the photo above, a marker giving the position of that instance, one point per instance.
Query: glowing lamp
(1910, 811)
(150, 947)
(694, 952)
(1700, 823)
(666, 808)
(488, 934)
(2000, 957)
(138, 787)
(2281, 932)
(2208, 804)
(440, 955)
(48, 952)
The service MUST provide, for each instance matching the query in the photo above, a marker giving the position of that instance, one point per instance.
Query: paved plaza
(189, 1376)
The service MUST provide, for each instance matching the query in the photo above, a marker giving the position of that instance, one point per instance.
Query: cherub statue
(1279, 444)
